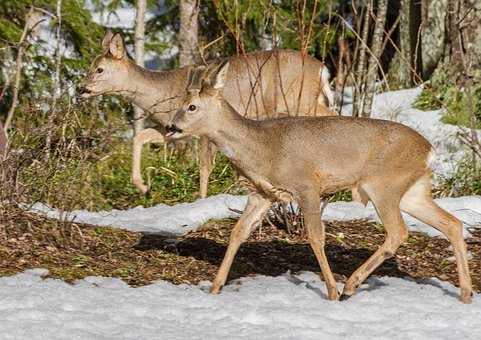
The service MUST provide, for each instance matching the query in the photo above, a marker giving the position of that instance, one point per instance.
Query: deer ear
(220, 76)
(106, 41)
(196, 74)
(117, 47)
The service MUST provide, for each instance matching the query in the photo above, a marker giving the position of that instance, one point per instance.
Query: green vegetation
(466, 181)
(440, 92)
(80, 183)
(173, 178)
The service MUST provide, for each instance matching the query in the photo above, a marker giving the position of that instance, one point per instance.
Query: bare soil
(72, 251)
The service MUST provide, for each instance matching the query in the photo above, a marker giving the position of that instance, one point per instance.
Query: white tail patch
(325, 87)
(431, 157)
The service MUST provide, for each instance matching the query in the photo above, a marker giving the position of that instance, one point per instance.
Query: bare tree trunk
(405, 74)
(455, 38)
(22, 45)
(56, 85)
(416, 23)
(189, 47)
(372, 73)
(189, 31)
(359, 94)
(139, 57)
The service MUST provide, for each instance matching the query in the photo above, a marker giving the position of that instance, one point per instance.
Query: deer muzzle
(84, 92)
(173, 132)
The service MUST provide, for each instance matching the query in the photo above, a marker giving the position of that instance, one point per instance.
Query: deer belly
(265, 187)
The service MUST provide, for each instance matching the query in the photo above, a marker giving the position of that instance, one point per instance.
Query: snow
(180, 218)
(121, 17)
(283, 307)
(162, 219)
(467, 209)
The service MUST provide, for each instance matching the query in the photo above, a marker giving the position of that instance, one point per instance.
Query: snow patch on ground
(162, 218)
(467, 209)
(181, 218)
(284, 307)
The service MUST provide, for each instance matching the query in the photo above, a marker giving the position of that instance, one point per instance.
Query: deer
(259, 84)
(302, 158)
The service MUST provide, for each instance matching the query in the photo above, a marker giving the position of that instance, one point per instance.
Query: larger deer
(260, 85)
(300, 158)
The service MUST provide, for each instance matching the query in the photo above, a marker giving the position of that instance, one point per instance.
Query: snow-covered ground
(285, 307)
(181, 218)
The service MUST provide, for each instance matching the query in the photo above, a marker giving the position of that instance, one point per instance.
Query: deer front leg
(143, 137)
(310, 205)
(253, 214)
(207, 152)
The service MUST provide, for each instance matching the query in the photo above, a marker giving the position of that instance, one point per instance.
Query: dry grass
(72, 251)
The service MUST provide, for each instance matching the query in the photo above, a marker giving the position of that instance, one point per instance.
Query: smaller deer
(300, 158)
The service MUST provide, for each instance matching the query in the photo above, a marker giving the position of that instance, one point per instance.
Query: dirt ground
(73, 251)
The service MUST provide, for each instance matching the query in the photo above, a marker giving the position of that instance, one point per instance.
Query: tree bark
(405, 74)
(372, 73)
(359, 94)
(139, 57)
(189, 31)
(415, 23)
(455, 37)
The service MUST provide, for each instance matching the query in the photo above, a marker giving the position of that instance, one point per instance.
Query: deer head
(201, 111)
(109, 71)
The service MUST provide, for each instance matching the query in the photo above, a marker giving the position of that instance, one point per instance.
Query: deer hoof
(466, 295)
(344, 297)
(141, 187)
(333, 295)
(215, 289)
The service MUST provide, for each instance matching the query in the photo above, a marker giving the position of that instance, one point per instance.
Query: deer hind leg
(253, 214)
(418, 203)
(387, 206)
(143, 137)
(310, 206)
(207, 152)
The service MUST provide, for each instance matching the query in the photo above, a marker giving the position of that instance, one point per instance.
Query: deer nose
(83, 90)
(172, 128)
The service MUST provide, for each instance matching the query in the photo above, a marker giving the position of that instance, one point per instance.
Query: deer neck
(155, 91)
(237, 137)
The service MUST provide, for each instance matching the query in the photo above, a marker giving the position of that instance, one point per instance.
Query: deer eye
(192, 107)
(100, 70)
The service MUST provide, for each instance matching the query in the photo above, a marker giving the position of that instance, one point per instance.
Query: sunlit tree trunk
(359, 94)
(139, 56)
(377, 42)
(405, 74)
(189, 31)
